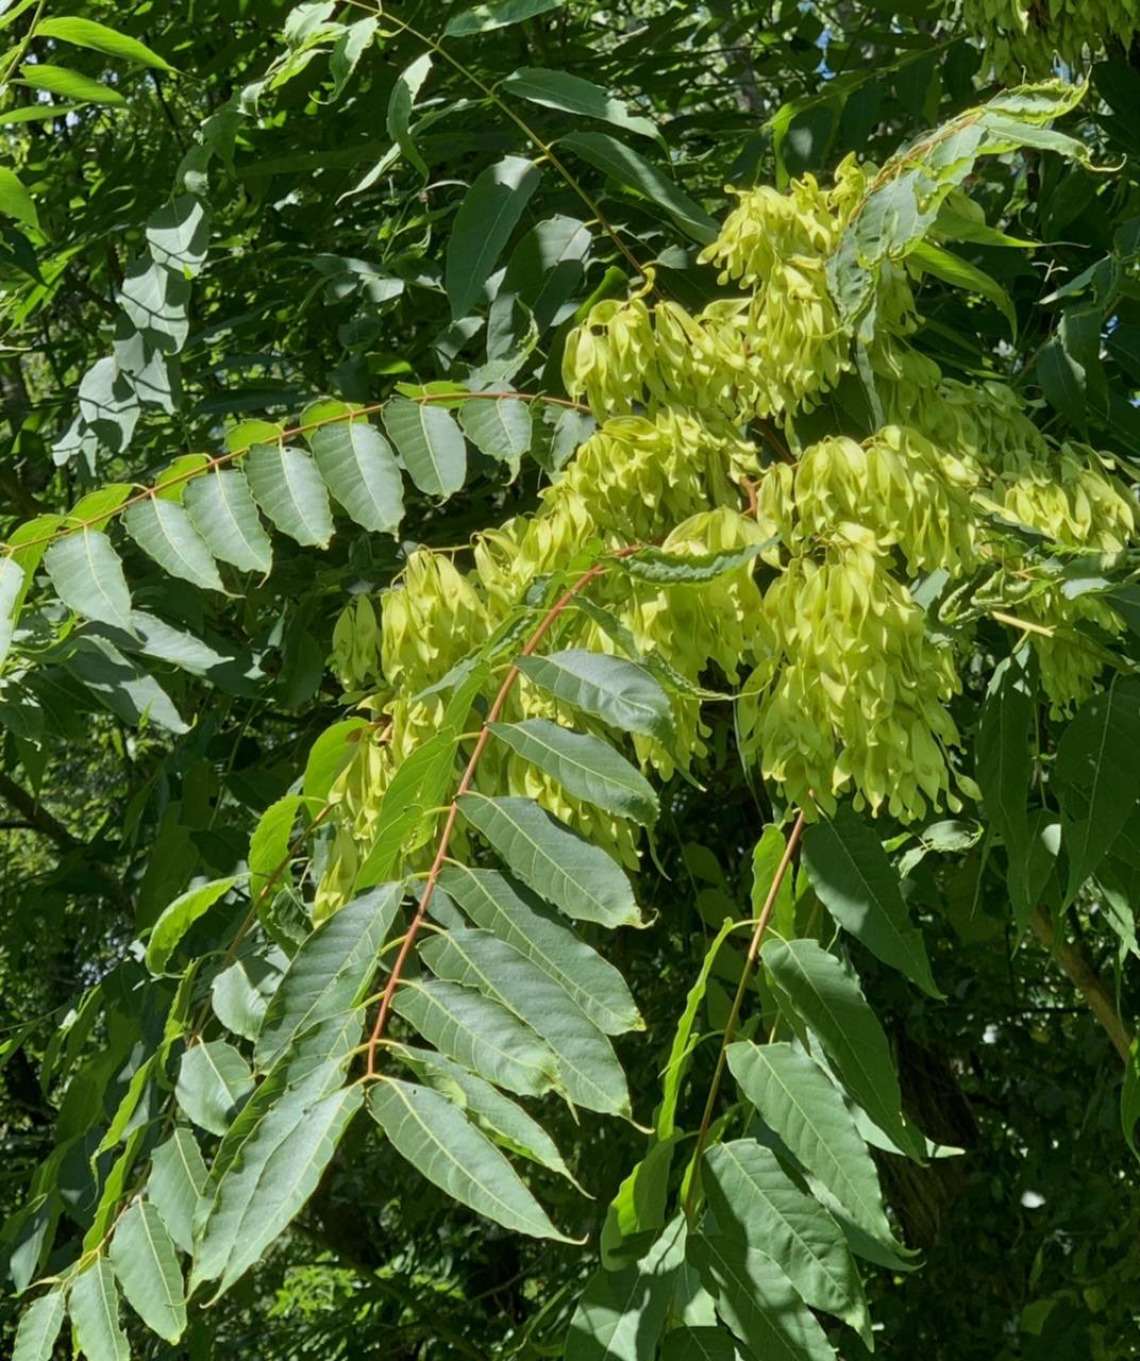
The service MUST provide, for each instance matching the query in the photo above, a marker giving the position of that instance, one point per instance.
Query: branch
(35, 815)
(1087, 982)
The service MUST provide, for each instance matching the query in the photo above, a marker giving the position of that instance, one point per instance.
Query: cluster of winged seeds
(1028, 36)
(842, 678)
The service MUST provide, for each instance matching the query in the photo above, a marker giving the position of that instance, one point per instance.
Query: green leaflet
(754, 1200)
(39, 1327)
(591, 1075)
(286, 485)
(269, 844)
(121, 684)
(584, 765)
(430, 444)
(59, 80)
(178, 235)
(626, 167)
(572, 94)
(488, 214)
(440, 1143)
(636, 1215)
(621, 1313)
(828, 997)
(496, 1115)
(855, 881)
(952, 269)
(213, 1080)
(480, 1034)
(620, 693)
(497, 14)
(145, 1263)
(260, 1194)
(360, 470)
(11, 590)
(512, 913)
(329, 755)
(330, 973)
(577, 877)
(1096, 776)
(93, 1305)
(224, 514)
(176, 1183)
(88, 33)
(15, 201)
(1004, 765)
(179, 917)
(757, 1301)
(400, 103)
(689, 569)
(702, 1343)
(88, 577)
(795, 1097)
(501, 429)
(683, 1043)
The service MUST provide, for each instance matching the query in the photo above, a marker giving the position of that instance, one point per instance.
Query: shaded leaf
(39, 1327)
(400, 103)
(179, 917)
(360, 470)
(11, 593)
(689, 569)
(572, 94)
(165, 532)
(286, 485)
(176, 1183)
(501, 429)
(486, 217)
(93, 1304)
(15, 201)
(855, 881)
(213, 1079)
(224, 514)
(483, 18)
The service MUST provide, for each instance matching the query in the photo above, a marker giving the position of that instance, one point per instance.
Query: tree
(569, 734)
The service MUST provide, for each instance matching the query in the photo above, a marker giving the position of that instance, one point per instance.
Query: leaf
(176, 1183)
(497, 1116)
(430, 443)
(213, 1080)
(1004, 767)
(478, 1033)
(419, 784)
(636, 1215)
(795, 1098)
(329, 755)
(240, 993)
(515, 916)
(620, 693)
(754, 1200)
(11, 591)
(577, 877)
(331, 971)
(501, 428)
(439, 1141)
(952, 269)
(93, 1304)
(286, 485)
(855, 881)
(400, 103)
(572, 94)
(1130, 1097)
(688, 569)
(1096, 777)
(757, 1301)
(483, 18)
(590, 1072)
(828, 997)
(122, 685)
(683, 1044)
(702, 1343)
(70, 84)
(179, 917)
(223, 512)
(488, 214)
(100, 38)
(621, 1313)
(269, 844)
(360, 470)
(1062, 381)
(178, 235)
(165, 532)
(15, 201)
(88, 577)
(260, 1194)
(584, 765)
(628, 168)
(143, 1257)
(39, 1327)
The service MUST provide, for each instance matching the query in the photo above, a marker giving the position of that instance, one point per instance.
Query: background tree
(458, 255)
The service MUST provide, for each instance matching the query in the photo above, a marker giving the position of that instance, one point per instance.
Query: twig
(1087, 982)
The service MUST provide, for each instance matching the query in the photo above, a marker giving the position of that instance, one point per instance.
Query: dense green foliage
(569, 734)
